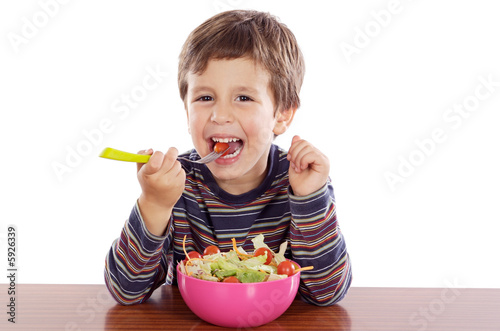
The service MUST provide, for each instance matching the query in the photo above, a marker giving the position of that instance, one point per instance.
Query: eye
(205, 98)
(243, 98)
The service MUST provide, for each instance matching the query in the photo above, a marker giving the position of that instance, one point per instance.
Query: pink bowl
(238, 305)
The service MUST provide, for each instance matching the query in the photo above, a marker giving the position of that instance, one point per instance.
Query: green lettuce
(217, 267)
(250, 276)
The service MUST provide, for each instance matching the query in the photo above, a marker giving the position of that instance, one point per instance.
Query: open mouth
(235, 146)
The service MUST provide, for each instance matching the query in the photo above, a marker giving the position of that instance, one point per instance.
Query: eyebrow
(198, 89)
(238, 89)
(250, 90)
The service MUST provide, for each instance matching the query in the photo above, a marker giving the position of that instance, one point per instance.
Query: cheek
(261, 131)
(195, 122)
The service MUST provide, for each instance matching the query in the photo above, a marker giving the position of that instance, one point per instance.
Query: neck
(241, 185)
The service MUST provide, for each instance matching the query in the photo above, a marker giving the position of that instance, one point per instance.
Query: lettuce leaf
(232, 256)
(221, 274)
(253, 262)
(258, 242)
(223, 264)
(267, 268)
(250, 276)
(276, 277)
(280, 256)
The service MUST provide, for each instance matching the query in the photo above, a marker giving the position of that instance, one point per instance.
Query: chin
(224, 173)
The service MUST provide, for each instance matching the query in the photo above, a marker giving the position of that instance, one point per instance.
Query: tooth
(232, 155)
(225, 140)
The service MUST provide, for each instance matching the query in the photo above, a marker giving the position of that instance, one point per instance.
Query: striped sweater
(139, 262)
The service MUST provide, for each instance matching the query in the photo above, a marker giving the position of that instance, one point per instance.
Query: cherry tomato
(286, 268)
(295, 265)
(231, 279)
(193, 255)
(211, 250)
(221, 147)
(262, 251)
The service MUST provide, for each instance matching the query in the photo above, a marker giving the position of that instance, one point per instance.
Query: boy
(240, 75)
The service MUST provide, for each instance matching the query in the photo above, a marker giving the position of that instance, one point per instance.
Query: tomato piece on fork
(221, 147)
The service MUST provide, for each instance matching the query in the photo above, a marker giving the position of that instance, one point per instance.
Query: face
(231, 102)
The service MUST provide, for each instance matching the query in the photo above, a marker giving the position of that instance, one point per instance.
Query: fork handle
(114, 154)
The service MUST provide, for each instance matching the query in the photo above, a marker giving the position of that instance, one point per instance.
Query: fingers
(296, 153)
(143, 152)
(302, 154)
(161, 163)
(170, 163)
(162, 180)
(295, 143)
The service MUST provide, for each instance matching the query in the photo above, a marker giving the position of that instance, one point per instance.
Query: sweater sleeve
(136, 263)
(316, 239)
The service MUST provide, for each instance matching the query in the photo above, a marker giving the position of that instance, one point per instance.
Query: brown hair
(243, 33)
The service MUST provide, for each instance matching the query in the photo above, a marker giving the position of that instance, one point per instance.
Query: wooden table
(90, 307)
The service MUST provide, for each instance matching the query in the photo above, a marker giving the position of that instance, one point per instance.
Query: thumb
(295, 139)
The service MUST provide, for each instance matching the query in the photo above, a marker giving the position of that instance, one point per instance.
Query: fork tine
(212, 156)
(208, 158)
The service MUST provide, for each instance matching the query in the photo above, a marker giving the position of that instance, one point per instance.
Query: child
(240, 74)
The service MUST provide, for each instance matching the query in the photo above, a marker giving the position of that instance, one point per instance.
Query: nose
(222, 113)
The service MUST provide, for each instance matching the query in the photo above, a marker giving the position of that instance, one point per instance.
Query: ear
(283, 120)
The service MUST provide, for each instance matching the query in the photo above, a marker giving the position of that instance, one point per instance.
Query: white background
(437, 226)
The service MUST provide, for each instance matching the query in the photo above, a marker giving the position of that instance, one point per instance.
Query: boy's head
(240, 74)
(251, 34)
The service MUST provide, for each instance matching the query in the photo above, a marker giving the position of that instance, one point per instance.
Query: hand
(162, 180)
(309, 168)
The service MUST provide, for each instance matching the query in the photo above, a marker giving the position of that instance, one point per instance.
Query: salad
(237, 266)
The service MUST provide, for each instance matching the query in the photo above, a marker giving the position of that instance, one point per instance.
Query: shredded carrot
(237, 251)
(187, 255)
(184, 247)
(303, 269)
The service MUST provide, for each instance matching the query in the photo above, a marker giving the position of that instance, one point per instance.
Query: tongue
(233, 146)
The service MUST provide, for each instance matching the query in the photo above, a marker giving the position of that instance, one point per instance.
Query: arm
(314, 234)
(136, 263)
(316, 240)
